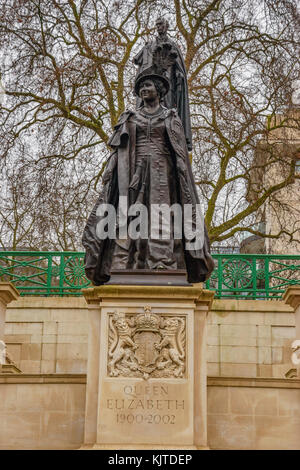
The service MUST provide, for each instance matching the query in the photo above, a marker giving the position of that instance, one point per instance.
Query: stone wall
(48, 335)
(246, 338)
(41, 412)
(250, 338)
(47, 412)
(253, 414)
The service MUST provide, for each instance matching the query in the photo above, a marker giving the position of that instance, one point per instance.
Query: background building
(279, 217)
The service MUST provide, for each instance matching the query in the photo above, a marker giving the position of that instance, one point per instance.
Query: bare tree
(45, 207)
(18, 211)
(67, 71)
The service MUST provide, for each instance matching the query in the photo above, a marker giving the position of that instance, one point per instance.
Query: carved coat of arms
(146, 345)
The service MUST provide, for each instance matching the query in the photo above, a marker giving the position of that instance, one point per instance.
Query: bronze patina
(149, 165)
(177, 96)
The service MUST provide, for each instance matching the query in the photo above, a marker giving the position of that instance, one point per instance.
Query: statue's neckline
(163, 38)
(157, 113)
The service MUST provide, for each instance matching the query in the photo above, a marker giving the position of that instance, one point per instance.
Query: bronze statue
(149, 165)
(177, 96)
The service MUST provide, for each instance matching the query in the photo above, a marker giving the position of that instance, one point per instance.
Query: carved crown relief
(146, 345)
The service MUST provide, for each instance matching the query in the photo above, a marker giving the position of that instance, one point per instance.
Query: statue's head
(162, 25)
(160, 83)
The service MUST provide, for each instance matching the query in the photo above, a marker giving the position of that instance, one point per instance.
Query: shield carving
(146, 353)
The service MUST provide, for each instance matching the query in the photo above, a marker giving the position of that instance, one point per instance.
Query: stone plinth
(7, 293)
(146, 381)
(292, 298)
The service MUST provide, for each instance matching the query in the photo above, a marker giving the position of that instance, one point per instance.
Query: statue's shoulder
(127, 112)
(147, 44)
(172, 114)
(125, 116)
(167, 111)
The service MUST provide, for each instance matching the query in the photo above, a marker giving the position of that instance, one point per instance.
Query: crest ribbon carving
(146, 345)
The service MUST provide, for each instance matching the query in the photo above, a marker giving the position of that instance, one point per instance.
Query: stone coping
(8, 292)
(43, 379)
(222, 305)
(9, 369)
(242, 305)
(292, 296)
(252, 382)
(255, 382)
(193, 292)
(37, 302)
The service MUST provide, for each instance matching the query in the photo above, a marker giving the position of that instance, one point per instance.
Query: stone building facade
(280, 215)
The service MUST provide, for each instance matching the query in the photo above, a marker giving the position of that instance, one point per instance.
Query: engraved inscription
(145, 405)
(149, 419)
(146, 345)
(128, 404)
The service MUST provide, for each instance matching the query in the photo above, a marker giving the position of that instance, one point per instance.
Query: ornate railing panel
(246, 276)
(238, 276)
(44, 273)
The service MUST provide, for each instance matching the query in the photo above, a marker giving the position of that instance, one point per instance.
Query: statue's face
(161, 26)
(148, 91)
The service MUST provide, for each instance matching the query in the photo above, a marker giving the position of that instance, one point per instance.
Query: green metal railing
(244, 276)
(44, 273)
(239, 276)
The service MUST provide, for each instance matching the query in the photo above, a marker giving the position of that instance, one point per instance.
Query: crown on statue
(147, 321)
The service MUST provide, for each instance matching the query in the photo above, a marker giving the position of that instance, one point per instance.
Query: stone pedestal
(292, 298)
(7, 293)
(146, 381)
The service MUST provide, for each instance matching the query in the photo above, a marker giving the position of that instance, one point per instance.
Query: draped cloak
(118, 173)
